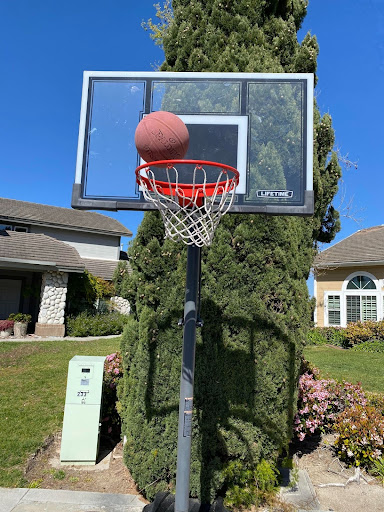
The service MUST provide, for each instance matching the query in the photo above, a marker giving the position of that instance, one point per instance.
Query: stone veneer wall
(52, 304)
(121, 305)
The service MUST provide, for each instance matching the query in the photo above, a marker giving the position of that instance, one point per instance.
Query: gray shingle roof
(24, 212)
(100, 268)
(33, 250)
(363, 247)
(103, 268)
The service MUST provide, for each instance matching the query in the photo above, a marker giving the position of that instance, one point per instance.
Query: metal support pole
(187, 378)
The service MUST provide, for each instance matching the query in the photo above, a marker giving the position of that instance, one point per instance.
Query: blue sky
(46, 45)
(350, 34)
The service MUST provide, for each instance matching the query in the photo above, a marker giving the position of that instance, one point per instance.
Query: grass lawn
(33, 380)
(364, 367)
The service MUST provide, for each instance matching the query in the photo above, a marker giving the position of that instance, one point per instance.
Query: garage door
(9, 297)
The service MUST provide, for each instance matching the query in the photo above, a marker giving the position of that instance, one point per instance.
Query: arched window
(361, 283)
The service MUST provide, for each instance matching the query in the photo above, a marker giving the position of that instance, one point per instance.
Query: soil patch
(329, 477)
(109, 475)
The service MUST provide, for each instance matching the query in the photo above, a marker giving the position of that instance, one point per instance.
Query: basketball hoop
(190, 211)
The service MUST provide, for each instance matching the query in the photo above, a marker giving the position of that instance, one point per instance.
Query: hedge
(88, 324)
(354, 334)
(247, 359)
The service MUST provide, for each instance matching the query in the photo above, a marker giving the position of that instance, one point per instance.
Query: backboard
(261, 124)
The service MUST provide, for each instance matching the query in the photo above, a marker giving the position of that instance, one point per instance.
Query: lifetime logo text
(275, 193)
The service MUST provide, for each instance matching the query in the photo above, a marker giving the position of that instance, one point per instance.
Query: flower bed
(356, 418)
(321, 400)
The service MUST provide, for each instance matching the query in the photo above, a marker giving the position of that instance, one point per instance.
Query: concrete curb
(39, 500)
(302, 495)
(29, 339)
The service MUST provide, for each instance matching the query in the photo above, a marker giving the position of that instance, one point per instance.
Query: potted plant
(21, 321)
(6, 328)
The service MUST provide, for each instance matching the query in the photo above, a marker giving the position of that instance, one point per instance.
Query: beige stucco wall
(332, 280)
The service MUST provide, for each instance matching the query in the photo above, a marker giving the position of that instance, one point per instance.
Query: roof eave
(334, 265)
(37, 265)
(23, 220)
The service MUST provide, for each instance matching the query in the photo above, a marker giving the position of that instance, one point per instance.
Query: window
(361, 307)
(360, 299)
(368, 308)
(353, 308)
(10, 227)
(334, 310)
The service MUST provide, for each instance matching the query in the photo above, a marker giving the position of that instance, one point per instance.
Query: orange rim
(188, 189)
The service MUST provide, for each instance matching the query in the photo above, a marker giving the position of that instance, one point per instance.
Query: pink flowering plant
(113, 369)
(320, 401)
(360, 432)
(113, 372)
(6, 325)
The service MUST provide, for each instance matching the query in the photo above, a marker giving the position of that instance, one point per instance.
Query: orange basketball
(161, 136)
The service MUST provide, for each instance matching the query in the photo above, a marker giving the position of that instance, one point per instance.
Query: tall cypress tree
(254, 297)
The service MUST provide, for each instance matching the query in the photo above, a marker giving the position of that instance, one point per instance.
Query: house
(40, 246)
(349, 279)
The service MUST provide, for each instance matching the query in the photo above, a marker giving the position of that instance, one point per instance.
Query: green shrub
(370, 346)
(377, 469)
(245, 387)
(354, 334)
(316, 336)
(20, 317)
(358, 332)
(247, 487)
(327, 335)
(86, 324)
(360, 431)
(336, 337)
(84, 290)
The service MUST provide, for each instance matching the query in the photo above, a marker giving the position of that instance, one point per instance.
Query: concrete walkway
(302, 497)
(47, 500)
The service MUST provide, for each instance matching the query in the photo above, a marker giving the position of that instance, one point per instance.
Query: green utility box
(81, 426)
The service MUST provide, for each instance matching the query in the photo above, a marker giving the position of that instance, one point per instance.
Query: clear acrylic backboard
(261, 124)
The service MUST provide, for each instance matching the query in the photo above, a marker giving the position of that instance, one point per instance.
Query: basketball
(161, 136)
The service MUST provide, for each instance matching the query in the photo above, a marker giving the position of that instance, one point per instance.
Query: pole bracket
(199, 322)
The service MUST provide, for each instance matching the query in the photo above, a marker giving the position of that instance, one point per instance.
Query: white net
(190, 212)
